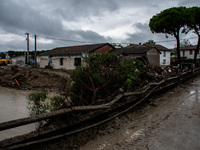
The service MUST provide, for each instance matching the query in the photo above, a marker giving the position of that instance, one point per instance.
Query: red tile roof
(72, 50)
(190, 47)
(138, 49)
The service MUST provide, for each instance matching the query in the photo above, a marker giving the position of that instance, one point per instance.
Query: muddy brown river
(13, 105)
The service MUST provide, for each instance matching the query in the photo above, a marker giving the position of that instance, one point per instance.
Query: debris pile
(157, 74)
(32, 78)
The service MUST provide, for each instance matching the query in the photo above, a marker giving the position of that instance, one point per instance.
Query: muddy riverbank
(33, 78)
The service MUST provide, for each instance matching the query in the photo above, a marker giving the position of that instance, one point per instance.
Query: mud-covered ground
(170, 122)
(32, 78)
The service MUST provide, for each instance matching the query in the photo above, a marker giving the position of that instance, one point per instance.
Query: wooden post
(35, 54)
(27, 56)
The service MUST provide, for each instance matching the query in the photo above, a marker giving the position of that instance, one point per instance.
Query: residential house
(188, 52)
(70, 57)
(165, 56)
(150, 55)
(18, 60)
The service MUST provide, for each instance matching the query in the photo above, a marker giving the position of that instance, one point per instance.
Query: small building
(165, 56)
(188, 52)
(69, 58)
(148, 54)
(18, 60)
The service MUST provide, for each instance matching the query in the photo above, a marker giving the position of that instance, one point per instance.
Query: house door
(183, 53)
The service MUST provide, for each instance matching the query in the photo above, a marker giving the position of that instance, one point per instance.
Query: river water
(13, 105)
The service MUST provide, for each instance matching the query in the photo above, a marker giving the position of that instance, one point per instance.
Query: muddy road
(170, 122)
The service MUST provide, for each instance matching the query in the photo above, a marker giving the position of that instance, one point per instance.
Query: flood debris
(27, 78)
(159, 79)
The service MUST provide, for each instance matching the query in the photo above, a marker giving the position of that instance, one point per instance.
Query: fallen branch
(28, 120)
(147, 92)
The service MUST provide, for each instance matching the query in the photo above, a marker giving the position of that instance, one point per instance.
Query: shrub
(102, 75)
(128, 73)
(92, 82)
(39, 103)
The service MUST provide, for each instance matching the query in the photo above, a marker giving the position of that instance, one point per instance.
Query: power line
(59, 39)
(173, 40)
(117, 43)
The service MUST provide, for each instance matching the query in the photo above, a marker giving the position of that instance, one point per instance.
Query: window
(61, 61)
(164, 54)
(164, 61)
(190, 52)
(77, 61)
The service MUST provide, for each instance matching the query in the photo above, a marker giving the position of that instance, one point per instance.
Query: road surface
(171, 122)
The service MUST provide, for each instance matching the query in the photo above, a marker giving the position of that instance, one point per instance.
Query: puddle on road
(192, 92)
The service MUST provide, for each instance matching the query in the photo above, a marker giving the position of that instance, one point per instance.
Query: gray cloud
(17, 18)
(93, 19)
(189, 3)
(75, 9)
(144, 34)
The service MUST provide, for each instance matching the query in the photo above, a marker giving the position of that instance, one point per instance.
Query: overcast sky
(112, 21)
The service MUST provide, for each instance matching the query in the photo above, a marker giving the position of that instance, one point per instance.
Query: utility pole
(35, 54)
(27, 56)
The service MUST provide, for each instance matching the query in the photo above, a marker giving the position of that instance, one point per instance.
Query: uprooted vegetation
(67, 123)
(102, 76)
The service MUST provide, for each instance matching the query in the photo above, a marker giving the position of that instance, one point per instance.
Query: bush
(102, 76)
(36, 103)
(92, 82)
(128, 73)
(39, 103)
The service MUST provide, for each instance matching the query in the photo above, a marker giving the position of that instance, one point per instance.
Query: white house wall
(43, 61)
(18, 60)
(68, 62)
(165, 59)
(188, 55)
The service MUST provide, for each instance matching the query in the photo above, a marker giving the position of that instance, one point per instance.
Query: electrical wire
(117, 43)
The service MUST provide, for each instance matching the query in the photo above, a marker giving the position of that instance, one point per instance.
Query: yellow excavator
(4, 62)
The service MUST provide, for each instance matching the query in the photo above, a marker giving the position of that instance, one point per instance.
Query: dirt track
(171, 122)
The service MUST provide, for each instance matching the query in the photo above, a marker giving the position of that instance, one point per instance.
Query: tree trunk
(178, 47)
(28, 120)
(197, 48)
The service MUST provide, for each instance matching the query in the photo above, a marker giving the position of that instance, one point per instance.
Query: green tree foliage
(39, 103)
(15, 53)
(184, 43)
(193, 23)
(102, 76)
(170, 21)
(89, 80)
(2, 55)
(150, 42)
(128, 73)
